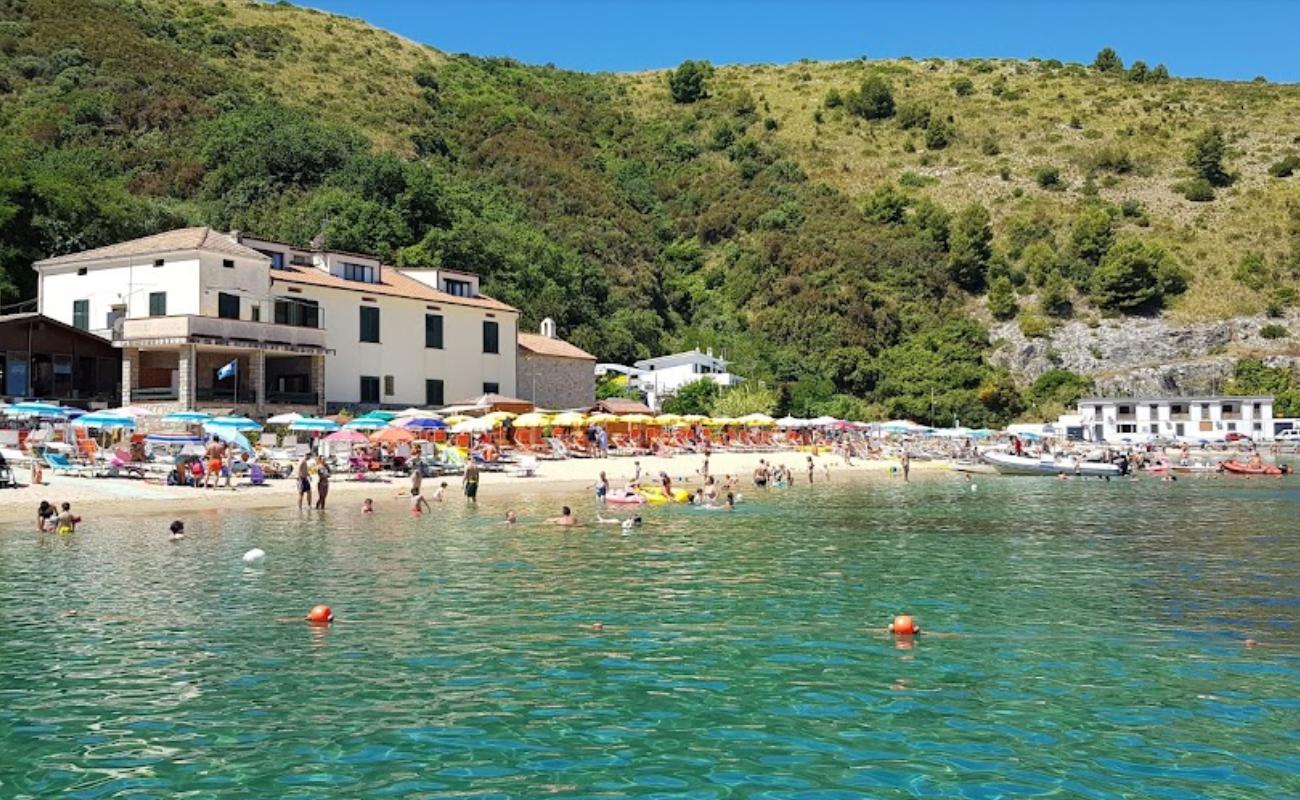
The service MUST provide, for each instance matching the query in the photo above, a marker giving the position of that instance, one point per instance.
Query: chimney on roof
(548, 328)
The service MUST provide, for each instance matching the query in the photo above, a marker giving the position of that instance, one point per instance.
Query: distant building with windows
(308, 329)
(661, 377)
(1112, 419)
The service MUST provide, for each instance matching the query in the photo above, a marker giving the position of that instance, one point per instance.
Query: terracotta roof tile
(166, 242)
(546, 346)
(393, 284)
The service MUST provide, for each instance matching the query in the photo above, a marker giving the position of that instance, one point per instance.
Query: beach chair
(60, 464)
(7, 480)
(526, 467)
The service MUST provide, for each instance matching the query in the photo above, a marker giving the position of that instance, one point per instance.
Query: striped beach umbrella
(187, 417)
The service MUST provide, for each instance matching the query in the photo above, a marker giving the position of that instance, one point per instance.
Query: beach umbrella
(236, 423)
(392, 436)
(472, 425)
(667, 420)
(635, 419)
(366, 424)
(601, 416)
(386, 416)
(497, 417)
(532, 419)
(821, 422)
(790, 422)
(230, 434)
(314, 425)
(455, 419)
(568, 419)
(418, 412)
(981, 433)
(758, 420)
(285, 419)
(419, 423)
(187, 417)
(104, 421)
(34, 409)
(345, 435)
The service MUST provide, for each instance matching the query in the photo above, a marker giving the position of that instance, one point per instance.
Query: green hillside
(843, 231)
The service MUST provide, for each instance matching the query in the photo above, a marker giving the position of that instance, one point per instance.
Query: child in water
(367, 506)
(177, 529)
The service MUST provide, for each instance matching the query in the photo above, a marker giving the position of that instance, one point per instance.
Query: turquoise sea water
(1096, 649)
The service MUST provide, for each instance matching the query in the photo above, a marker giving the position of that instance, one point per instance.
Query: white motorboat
(1008, 464)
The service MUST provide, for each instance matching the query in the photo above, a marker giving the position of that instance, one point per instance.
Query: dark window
(491, 337)
(458, 288)
(433, 392)
(358, 272)
(301, 260)
(299, 313)
(491, 388)
(369, 324)
(81, 314)
(227, 305)
(369, 389)
(228, 263)
(388, 386)
(158, 262)
(83, 270)
(433, 331)
(255, 313)
(277, 259)
(157, 304)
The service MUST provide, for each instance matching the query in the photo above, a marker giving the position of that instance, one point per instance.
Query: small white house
(1111, 419)
(661, 377)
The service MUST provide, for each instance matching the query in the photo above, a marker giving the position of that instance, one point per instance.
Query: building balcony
(191, 329)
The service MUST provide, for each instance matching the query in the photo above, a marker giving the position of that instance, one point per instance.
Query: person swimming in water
(566, 518)
(511, 518)
(177, 529)
(367, 506)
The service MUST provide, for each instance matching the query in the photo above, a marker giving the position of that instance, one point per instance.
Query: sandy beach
(126, 496)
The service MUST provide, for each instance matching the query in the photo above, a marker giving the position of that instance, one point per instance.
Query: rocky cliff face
(1135, 356)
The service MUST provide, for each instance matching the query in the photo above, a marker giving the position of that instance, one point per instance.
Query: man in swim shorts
(470, 482)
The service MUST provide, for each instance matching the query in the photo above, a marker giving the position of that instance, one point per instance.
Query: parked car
(1288, 435)
(1236, 437)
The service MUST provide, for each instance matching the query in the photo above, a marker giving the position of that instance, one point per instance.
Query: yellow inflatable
(654, 494)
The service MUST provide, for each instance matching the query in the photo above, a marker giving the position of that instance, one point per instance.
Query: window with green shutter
(81, 314)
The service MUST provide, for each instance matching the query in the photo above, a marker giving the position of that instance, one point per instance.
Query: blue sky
(1235, 40)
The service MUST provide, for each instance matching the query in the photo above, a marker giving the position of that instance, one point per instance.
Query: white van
(1288, 435)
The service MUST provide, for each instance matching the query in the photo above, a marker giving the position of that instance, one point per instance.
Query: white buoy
(974, 486)
(254, 555)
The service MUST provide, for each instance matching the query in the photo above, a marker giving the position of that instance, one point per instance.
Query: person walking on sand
(304, 481)
(469, 483)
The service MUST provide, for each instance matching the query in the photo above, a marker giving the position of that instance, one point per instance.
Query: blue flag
(228, 370)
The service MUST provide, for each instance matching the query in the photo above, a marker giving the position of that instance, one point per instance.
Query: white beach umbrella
(285, 419)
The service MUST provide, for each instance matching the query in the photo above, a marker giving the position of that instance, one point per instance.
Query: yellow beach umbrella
(757, 420)
(602, 416)
(532, 419)
(635, 419)
(668, 419)
(569, 419)
(691, 419)
(719, 422)
(455, 418)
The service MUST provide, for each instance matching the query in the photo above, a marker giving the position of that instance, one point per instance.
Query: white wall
(249, 280)
(461, 364)
(121, 281)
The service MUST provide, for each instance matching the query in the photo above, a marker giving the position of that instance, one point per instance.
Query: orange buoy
(904, 625)
(320, 615)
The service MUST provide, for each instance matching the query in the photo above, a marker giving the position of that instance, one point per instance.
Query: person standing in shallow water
(469, 483)
(304, 482)
(906, 463)
(322, 485)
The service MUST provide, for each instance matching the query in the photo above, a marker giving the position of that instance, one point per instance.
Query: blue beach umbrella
(34, 409)
(366, 424)
(161, 438)
(104, 421)
(235, 423)
(314, 425)
(230, 435)
(421, 424)
(187, 417)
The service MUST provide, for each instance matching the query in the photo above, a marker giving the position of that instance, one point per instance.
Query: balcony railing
(192, 329)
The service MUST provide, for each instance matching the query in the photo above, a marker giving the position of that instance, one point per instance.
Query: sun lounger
(526, 467)
(60, 464)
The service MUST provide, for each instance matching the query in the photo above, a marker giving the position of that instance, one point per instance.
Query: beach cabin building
(553, 373)
(1114, 419)
(44, 359)
(661, 377)
(205, 319)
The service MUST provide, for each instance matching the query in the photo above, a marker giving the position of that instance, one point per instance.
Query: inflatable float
(624, 497)
(656, 495)
(1238, 468)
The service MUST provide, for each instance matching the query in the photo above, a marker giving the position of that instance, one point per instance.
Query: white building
(660, 378)
(306, 329)
(1112, 419)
